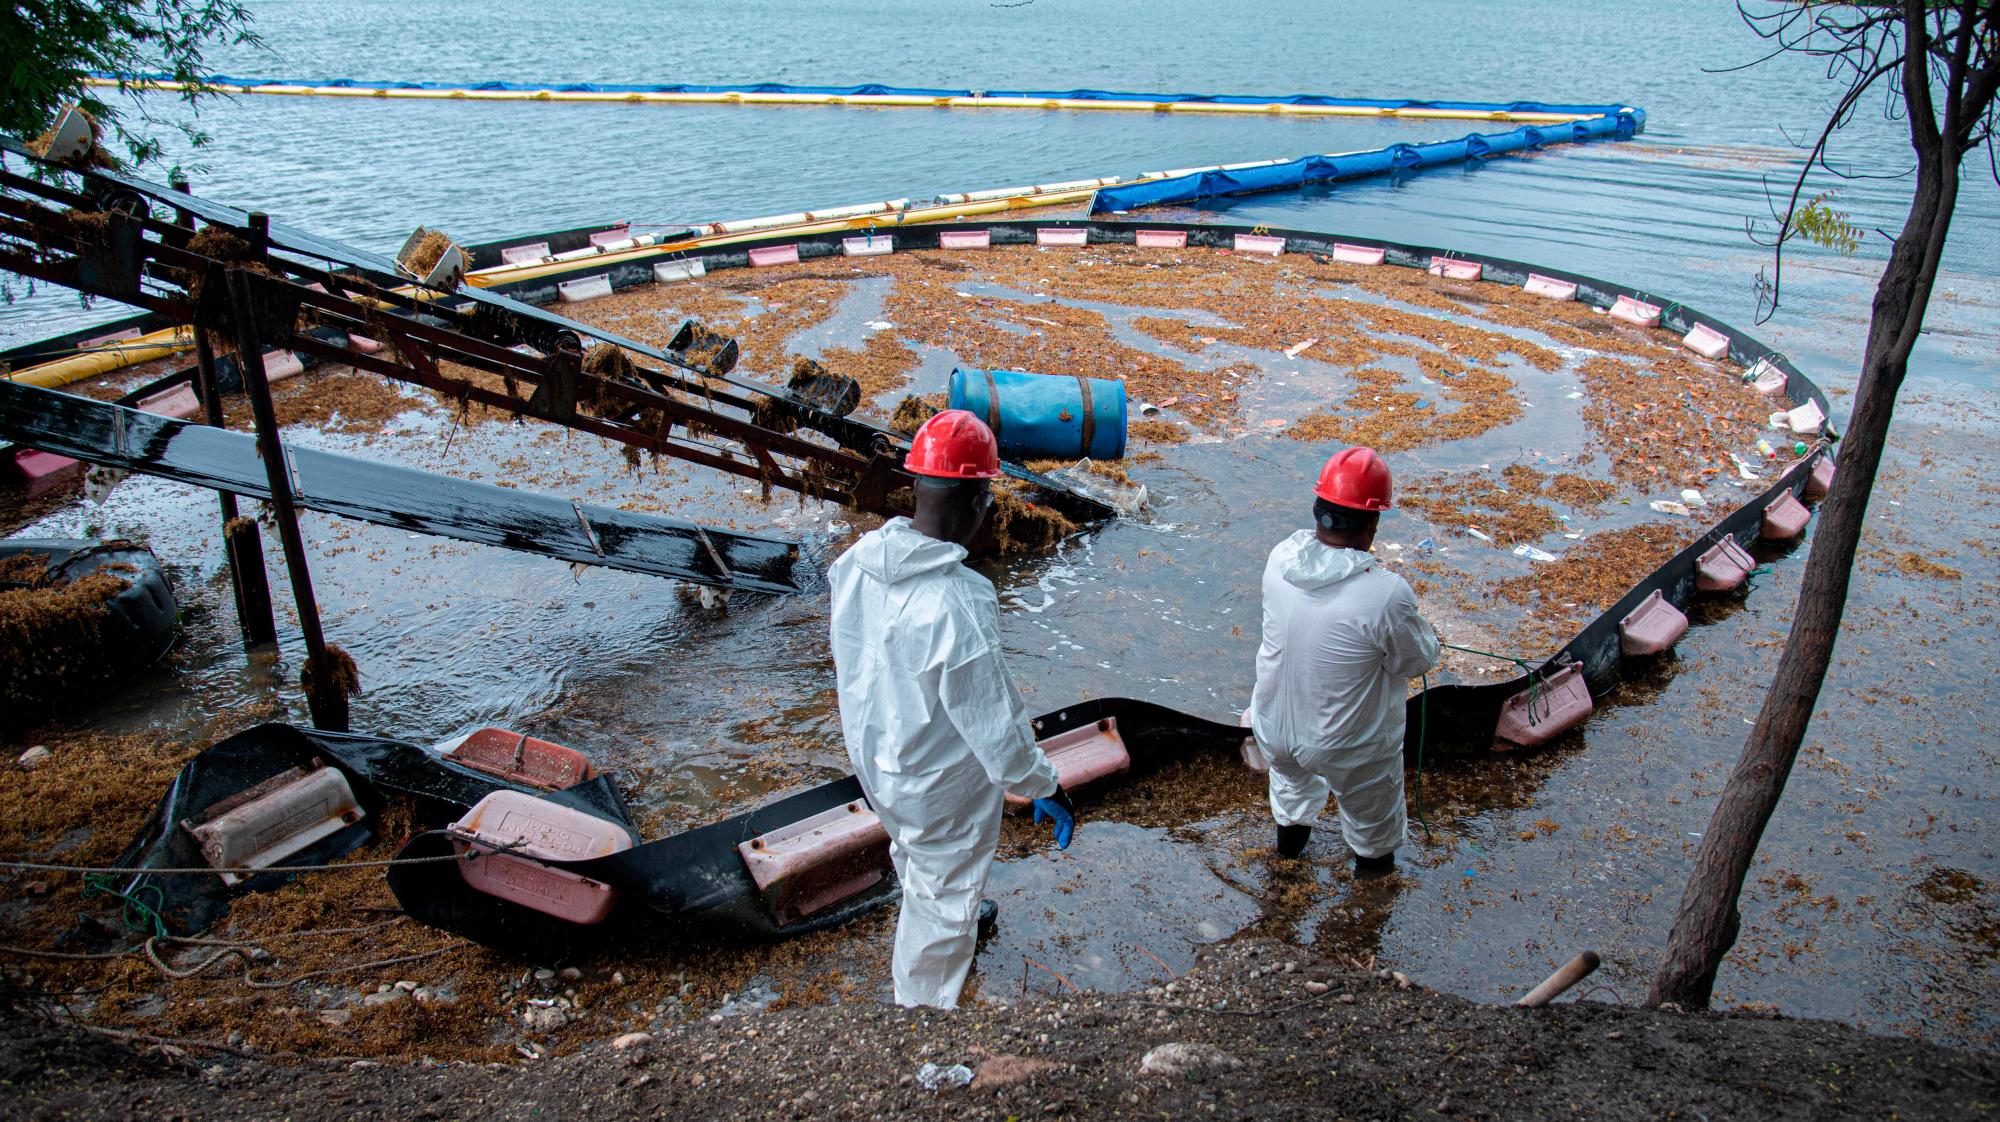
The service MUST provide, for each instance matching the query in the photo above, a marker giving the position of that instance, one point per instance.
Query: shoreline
(1256, 1029)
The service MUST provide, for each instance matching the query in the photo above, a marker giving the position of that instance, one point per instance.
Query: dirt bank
(1271, 1032)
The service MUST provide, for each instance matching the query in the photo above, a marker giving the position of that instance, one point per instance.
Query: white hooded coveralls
(1342, 636)
(936, 732)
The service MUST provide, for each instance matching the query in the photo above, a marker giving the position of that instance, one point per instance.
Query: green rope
(1520, 662)
(141, 907)
(1423, 733)
(1528, 668)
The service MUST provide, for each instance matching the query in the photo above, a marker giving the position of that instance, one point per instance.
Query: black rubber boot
(1375, 866)
(989, 917)
(1292, 840)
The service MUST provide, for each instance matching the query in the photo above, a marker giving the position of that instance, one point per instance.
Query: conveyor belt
(382, 270)
(119, 437)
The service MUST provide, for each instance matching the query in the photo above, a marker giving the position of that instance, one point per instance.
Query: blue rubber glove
(1057, 809)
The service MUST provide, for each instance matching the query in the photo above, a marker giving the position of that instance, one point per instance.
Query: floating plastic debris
(1692, 497)
(1533, 554)
(1125, 498)
(1668, 506)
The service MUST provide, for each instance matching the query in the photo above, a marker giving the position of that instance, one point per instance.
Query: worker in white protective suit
(935, 729)
(1342, 637)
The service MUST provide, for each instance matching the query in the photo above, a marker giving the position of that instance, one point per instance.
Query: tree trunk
(1706, 925)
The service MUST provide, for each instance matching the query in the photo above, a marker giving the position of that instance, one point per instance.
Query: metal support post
(325, 693)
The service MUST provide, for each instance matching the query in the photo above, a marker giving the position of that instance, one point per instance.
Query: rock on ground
(1177, 1058)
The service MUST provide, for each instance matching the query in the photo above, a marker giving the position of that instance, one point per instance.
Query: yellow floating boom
(130, 352)
(869, 101)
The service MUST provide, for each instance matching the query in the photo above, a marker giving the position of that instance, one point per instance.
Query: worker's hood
(1307, 562)
(899, 551)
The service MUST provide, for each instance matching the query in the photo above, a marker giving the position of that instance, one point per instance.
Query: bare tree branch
(1842, 113)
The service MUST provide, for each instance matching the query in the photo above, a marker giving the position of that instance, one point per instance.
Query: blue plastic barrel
(1045, 416)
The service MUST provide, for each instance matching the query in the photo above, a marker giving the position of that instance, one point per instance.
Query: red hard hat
(1355, 478)
(954, 444)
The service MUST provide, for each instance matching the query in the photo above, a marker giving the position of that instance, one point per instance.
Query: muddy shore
(1256, 1030)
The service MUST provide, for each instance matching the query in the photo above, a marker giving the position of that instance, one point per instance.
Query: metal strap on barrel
(1089, 414)
(992, 404)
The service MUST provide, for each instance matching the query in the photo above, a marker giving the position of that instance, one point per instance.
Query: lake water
(1666, 211)
(682, 699)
